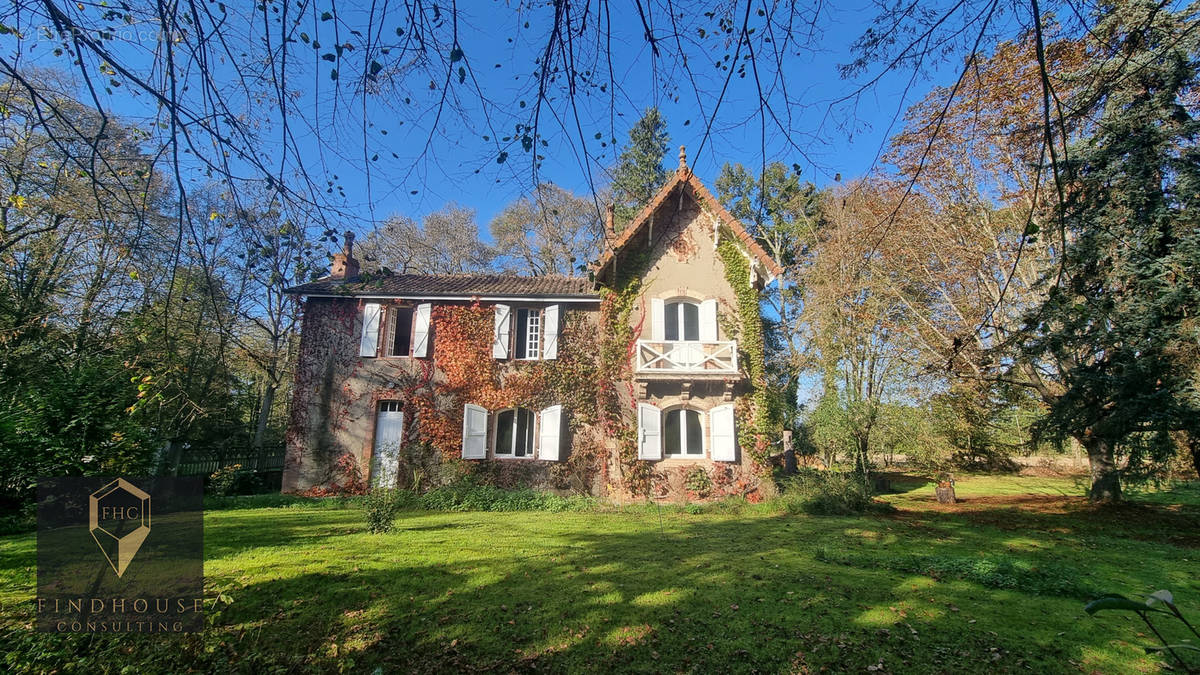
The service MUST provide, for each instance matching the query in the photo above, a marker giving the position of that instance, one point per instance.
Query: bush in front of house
(466, 496)
(381, 506)
(826, 493)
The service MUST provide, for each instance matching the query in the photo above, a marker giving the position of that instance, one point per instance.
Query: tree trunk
(1106, 480)
(264, 414)
(862, 464)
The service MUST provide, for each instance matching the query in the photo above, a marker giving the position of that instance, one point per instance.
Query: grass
(730, 587)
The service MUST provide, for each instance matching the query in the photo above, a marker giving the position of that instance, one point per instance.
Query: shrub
(698, 482)
(381, 506)
(826, 493)
(233, 480)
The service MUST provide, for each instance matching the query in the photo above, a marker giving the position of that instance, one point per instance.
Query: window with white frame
(682, 321)
(525, 333)
(683, 433)
(514, 433)
(529, 333)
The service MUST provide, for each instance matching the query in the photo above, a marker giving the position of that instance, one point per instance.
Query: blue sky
(348, 138)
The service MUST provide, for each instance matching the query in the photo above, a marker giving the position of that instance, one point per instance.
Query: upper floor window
(682, 321)
(406, 330)
(525, 333)
(529, 333)
(400, 329)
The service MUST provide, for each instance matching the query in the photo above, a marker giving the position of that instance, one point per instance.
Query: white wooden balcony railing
(686, 358)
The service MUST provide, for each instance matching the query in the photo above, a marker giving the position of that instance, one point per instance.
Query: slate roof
(443, 285)
(684, 179)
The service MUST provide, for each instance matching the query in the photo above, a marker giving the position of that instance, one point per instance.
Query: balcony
(670, 359)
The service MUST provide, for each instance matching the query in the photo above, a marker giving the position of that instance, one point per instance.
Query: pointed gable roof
(685, 180)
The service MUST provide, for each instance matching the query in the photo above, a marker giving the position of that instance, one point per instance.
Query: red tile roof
(685, 179)
(443, 285)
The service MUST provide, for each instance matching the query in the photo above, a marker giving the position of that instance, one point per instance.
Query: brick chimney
(610, 230)
(344, 264)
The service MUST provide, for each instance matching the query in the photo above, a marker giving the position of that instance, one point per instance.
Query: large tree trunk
(1106, 481)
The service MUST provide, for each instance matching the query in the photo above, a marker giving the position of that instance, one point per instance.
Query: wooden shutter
(708, 320)
(474, 438)
(369, 342)
(649, 432)
(550, 333)
(420, 335)
(657, 314)
(501, 332)
(550, 433)
(724, 440)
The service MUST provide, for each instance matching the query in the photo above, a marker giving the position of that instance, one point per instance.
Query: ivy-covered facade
(644, 380)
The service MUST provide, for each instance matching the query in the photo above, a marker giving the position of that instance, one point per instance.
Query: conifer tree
(1121, 316)
(640, 172)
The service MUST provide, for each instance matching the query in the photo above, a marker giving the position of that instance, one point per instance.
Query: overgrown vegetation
(827, 493)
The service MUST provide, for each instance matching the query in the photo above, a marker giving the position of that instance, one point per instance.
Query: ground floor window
(683, 434)
(514, 433)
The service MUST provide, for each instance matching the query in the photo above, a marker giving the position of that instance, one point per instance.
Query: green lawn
(651, 590)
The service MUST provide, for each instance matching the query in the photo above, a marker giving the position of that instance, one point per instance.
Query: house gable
(680, 190)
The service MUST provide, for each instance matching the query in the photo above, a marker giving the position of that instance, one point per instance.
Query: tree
(782, 213)
(640, 172)
(551, 231)
(1120, 314)
(445, 242)
(270, 253)
(974, 162)
(854, 323)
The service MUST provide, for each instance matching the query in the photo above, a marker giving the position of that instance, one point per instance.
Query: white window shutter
(657, 314)
(501, 332)
(649, 432)
(724, 441)
(550, 433)
(369, 342)
(474, 438)
(550, 328)
(420, 335)
(708, 320)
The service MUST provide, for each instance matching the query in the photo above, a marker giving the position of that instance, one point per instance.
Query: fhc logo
(148, 574)
(119, 520)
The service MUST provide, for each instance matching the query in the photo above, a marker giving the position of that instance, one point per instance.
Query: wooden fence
(203, 460)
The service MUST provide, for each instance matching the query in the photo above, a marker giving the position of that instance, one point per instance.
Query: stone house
(643, 380)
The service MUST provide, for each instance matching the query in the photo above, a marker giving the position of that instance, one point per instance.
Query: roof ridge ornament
(683, 167)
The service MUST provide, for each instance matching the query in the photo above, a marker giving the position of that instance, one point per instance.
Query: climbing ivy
(618, 338)
(754, 412)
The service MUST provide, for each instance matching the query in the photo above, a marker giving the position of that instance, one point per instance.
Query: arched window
(683, 433)
(514, 433)
(681, 320)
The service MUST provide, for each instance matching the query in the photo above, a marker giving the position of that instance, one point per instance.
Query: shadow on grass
(638, 592)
